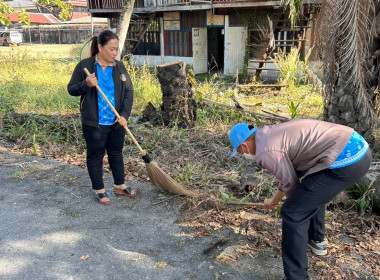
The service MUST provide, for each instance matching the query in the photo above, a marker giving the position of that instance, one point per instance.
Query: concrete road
(51, 227)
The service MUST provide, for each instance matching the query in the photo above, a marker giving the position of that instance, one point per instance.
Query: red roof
(77, 3)
(77, 15)
(36, 18)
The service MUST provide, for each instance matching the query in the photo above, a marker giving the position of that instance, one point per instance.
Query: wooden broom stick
(254, 204)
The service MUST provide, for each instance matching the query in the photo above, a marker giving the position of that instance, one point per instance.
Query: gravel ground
(51, 227)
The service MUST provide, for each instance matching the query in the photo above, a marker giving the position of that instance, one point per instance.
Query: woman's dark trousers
(99, 139)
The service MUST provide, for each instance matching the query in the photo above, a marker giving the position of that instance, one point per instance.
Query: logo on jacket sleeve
(123, 77)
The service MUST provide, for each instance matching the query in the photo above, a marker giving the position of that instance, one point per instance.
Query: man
(313, 162)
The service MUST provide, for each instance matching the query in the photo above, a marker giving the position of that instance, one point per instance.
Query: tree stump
(372, 178)
(248, 180)
(178, 102)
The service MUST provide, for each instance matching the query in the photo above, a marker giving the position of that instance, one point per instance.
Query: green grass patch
(35, 83)
(146, 86)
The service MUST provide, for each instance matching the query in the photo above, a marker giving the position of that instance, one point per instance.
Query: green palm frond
(295, 7)
(344, 32)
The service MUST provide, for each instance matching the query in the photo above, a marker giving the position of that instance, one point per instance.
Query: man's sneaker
(318, 248)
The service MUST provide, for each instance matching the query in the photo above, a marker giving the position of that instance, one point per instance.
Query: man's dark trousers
(303, 212)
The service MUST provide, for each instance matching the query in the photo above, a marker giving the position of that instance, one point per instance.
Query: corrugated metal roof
(30, 4)
(36, 18)
(20, 4)
(86, 19)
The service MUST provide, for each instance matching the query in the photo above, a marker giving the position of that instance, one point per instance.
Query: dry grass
(48, 51)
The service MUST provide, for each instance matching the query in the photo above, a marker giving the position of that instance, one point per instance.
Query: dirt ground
(53, 228)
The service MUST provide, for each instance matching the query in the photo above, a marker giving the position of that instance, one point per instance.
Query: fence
(59, 34)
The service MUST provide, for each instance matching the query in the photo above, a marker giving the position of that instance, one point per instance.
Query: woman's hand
(122, 121)
(91, 81)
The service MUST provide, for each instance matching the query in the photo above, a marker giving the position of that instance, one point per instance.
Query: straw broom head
(163, 181)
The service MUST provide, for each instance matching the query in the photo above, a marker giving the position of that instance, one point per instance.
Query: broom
(156, 175)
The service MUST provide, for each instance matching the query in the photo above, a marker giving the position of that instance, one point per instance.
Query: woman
(101, 129)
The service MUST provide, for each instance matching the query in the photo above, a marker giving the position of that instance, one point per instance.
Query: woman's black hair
(102, 39)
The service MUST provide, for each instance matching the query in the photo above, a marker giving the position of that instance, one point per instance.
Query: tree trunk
(122, 29)
(178, 103)
(372, 181)
(343, 103)
(341, 108)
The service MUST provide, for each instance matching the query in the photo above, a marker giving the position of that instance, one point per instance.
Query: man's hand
(269, 203)
(275, 200)
(91, 81)
(122, 121)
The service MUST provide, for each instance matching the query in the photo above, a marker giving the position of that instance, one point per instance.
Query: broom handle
(143, 153)
(258, 204)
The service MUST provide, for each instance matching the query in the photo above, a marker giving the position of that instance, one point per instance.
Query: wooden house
(212, 35)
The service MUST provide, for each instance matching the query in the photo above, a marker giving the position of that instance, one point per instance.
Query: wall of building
(154, 60)
(177, 40)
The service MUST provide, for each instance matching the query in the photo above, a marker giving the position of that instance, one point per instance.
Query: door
(234, 49)
(215, 49)
(199, 50)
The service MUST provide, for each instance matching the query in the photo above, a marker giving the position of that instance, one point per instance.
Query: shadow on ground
(52, 228)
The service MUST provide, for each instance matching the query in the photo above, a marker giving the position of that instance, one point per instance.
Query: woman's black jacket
(89, 96)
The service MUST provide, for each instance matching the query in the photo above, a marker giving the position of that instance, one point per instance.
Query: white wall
(157, 60)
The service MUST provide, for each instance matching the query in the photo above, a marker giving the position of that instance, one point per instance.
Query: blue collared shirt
(105, 82)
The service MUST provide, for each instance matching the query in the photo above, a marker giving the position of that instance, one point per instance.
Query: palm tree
(346, 44)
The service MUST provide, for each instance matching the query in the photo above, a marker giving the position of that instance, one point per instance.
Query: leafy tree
(57, 7)
(23, 16)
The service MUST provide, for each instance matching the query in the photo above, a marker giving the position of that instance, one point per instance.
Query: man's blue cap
(239, 133)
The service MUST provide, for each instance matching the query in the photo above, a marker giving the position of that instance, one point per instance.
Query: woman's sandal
(100, 196)
(127, 191)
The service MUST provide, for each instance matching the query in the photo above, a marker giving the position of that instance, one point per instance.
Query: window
(179, 43)
(150, 41)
